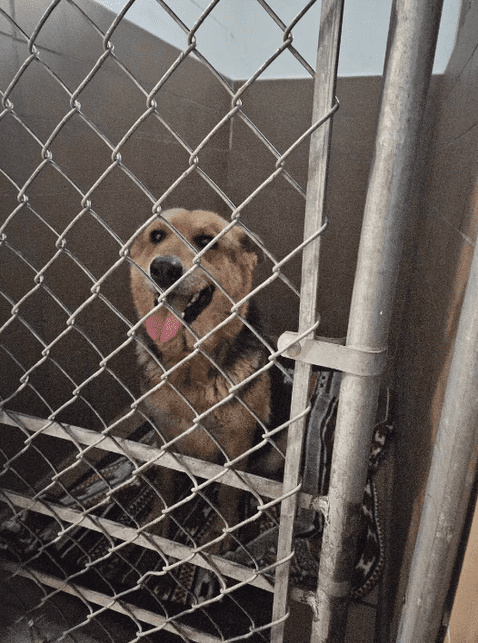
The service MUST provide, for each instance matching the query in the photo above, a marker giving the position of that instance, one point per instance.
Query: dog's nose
(165, 270)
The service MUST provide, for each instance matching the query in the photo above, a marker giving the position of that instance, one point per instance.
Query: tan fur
(197, 385)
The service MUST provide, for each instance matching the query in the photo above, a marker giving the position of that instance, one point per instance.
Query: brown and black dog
(200, 296)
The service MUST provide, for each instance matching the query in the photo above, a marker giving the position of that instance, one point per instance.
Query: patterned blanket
(28, 536)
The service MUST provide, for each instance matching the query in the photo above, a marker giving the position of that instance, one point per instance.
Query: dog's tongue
(164, 329)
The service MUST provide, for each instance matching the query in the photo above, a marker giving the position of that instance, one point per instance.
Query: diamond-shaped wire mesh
(105, 128)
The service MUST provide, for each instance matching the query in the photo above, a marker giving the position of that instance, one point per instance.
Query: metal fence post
(324, 94)
(412, 40)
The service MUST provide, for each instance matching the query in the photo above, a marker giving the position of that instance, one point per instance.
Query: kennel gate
(29, 349)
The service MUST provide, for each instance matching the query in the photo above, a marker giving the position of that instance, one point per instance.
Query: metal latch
(331, 354)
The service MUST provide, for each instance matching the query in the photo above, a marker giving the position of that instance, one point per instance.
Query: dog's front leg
(174, 435)
(163, 481)
(228, 502)
(236, 436)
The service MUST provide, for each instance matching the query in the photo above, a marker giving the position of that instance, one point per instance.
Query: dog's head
(200, 294)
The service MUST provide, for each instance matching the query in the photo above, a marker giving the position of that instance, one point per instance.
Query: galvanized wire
(141, 458)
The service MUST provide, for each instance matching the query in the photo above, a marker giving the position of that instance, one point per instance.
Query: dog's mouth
(198, 302)
(194, 305)
(188, 308)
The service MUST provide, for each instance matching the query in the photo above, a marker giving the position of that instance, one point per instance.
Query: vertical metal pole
(324, 94)
(452, 474)
(412, 40)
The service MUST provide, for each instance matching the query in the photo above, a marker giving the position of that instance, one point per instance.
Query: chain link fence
(106, 128)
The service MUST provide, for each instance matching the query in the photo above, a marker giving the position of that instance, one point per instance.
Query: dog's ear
(251, 243)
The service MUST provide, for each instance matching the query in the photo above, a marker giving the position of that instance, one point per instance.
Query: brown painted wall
(192, 102)
(464, 618)
(282, 109)
(439, 258)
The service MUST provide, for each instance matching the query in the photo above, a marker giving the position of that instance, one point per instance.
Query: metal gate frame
(410, 53)
(325, 107)
(412, 41)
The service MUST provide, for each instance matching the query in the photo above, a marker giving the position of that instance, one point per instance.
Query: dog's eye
(202, 240)
(156, 236)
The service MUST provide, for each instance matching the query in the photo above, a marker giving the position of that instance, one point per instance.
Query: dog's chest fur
(198, 383)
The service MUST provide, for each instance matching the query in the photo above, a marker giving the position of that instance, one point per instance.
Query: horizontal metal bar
(168, 547)
(142, 539)
(331, 354)
(145, 453)
(128, 609)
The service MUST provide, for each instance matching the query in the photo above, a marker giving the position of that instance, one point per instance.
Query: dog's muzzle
(165, 272)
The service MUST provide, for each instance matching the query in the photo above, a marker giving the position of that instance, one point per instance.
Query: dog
(193, 350)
